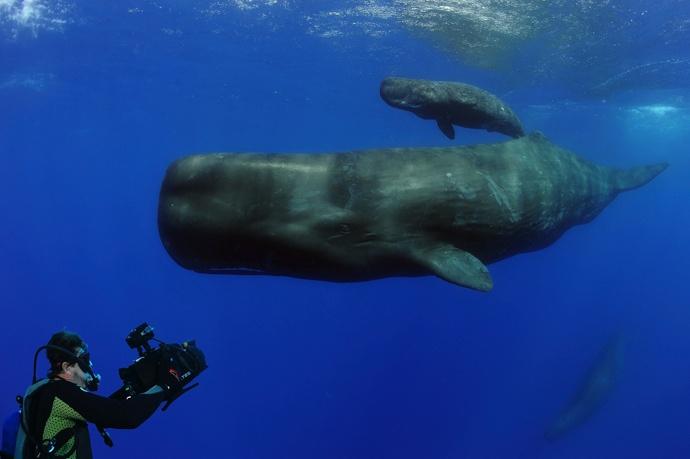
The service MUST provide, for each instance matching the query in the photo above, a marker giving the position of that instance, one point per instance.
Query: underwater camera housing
(171, 366)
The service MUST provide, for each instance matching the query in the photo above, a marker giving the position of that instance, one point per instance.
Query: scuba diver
(55, 411)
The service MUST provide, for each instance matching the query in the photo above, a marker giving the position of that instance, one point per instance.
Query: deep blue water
(97, 99)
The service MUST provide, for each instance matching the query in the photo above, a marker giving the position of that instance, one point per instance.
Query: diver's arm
(108, 412)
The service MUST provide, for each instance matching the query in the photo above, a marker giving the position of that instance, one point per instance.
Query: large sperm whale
(378, 213)
(451, 103)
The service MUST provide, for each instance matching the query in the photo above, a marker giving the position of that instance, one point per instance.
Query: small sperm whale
(451, 103)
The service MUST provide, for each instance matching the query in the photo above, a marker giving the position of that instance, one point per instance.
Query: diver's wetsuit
(54, 405)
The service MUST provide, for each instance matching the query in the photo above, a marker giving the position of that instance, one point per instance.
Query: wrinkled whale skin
(372, 214)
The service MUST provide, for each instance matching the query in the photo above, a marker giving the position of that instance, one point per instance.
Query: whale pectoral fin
(447, 128)
(456, 266)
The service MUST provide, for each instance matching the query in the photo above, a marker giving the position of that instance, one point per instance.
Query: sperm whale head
(406, 93)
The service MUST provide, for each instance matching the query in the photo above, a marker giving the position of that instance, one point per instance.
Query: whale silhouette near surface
(378, 213)
(451, 103)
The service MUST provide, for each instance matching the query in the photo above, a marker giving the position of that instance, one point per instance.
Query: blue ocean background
(98, 98)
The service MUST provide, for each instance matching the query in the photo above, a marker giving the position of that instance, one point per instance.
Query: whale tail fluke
(636, 177)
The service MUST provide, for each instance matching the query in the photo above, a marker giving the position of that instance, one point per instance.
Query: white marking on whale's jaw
(404, 105)
(410, 106)
(304, 168)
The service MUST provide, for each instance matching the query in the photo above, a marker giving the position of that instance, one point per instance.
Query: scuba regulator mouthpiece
(92, 379)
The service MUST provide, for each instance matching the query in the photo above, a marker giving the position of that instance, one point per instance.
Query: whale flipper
(455, 266)
(446, 127)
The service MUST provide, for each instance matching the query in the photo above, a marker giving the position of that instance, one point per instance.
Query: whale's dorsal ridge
(455, 266)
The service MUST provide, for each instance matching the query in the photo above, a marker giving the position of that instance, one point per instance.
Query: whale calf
(451, 103)
(378, 213)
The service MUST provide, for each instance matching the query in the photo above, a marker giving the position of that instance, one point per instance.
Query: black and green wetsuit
(51, 406)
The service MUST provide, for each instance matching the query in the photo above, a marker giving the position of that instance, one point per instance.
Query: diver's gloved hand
(179, 364)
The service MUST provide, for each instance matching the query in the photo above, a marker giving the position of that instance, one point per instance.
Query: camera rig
(170, 366)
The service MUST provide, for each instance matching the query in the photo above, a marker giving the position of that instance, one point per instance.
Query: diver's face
(75, 374)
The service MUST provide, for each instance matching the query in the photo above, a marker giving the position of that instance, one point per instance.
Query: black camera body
(170, 366)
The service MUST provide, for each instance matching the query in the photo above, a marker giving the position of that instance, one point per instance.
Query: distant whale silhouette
(593, 391)
(378, 213)
(451, 103)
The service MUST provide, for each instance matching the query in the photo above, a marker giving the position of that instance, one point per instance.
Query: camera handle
(177, 395)
(107, 439)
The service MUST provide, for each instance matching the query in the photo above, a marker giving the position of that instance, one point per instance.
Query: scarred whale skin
(378, 213)
(451, 103)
